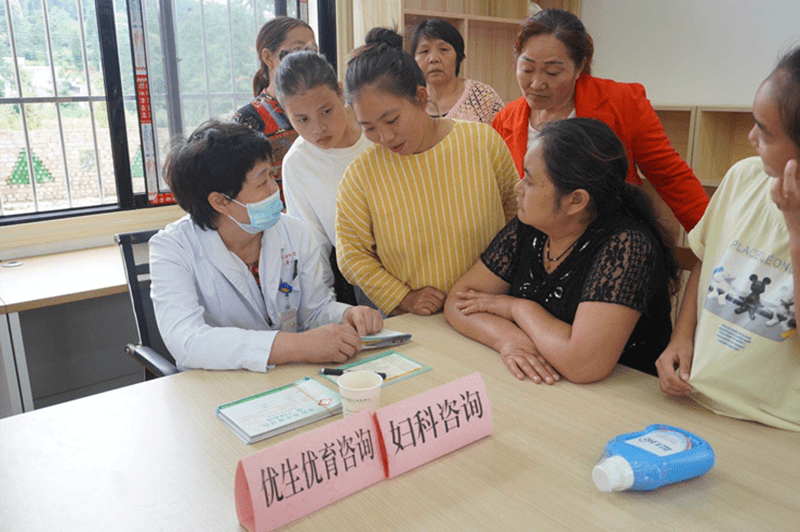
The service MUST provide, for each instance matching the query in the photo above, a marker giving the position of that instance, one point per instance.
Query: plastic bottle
(654, 457)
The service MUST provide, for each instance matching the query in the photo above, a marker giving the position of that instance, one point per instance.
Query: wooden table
(153, 456)
(41, 282)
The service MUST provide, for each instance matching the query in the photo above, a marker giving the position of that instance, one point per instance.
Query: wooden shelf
(678, 123)
(720, 140)
(492, 64)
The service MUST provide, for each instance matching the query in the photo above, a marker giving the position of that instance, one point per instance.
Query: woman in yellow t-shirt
(734, 348)
(415, 210)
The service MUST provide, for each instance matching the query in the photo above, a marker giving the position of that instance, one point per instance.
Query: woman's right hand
(674, 367)
(522, 359)
(424, 301)
(329, 343)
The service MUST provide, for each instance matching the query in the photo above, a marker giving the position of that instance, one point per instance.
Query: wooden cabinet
(489, 28)
(720, 140)
(710, 139)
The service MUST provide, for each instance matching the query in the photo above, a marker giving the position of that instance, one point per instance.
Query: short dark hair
(271, 36)
(436, 28)
(786, 77)
(564, 26)
(382, 62)
(584, 153)
(216, 158)
(302, 71)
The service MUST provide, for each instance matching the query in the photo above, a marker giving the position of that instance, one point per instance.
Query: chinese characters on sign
(431, 421)
(298, 476)
(316, 466)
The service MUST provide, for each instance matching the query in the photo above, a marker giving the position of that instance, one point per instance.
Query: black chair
(151, 352)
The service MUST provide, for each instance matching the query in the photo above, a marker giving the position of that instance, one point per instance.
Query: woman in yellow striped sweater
(415, 210)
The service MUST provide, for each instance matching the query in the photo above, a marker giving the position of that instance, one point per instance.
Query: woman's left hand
(364, 320)
(498, 304)
(786, 195)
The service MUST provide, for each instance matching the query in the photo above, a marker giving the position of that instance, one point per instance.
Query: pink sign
(424, 427)
(294, 478)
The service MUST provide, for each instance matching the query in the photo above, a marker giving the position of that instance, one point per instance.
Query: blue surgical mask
(263, 214)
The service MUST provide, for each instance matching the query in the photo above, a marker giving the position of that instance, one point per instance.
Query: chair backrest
(136, 258)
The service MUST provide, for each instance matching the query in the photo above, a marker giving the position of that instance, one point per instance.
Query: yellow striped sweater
(407, 222)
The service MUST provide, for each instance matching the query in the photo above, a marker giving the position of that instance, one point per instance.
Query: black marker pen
(337, 372)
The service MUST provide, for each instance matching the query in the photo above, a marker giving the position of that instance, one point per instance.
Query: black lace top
(616, 260)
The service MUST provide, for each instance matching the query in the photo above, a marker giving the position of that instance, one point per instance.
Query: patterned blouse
(616, 260)
(478, 103)
(265, 114)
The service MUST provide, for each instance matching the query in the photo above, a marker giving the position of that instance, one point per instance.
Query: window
(55, 150)
(59, 154)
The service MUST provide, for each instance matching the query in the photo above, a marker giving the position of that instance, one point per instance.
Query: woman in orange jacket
(554, 56)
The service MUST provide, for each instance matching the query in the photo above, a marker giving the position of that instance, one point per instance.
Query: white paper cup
(360, 390)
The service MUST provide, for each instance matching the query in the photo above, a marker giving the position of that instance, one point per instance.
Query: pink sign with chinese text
(296, 477)
(424, 427)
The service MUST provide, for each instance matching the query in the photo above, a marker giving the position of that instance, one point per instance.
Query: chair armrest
(150, 360)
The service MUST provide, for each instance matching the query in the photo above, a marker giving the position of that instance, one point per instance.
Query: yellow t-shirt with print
(746, 353)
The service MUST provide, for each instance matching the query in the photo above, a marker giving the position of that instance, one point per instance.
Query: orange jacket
(624, 107)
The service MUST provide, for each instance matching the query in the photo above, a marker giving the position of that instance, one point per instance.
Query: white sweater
(311, 178)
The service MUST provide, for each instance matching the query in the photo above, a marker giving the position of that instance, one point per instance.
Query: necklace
(547, 251)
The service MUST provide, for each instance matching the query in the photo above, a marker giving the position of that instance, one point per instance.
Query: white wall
(699, 52)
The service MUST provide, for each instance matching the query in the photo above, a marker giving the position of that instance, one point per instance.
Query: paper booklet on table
(279, 410)
(384, 338)
(395, 366)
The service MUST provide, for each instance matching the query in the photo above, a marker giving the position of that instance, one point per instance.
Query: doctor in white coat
(236, 283)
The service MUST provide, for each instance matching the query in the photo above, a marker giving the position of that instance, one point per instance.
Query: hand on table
(786, 195)
(330, 343)
(424, 301)
(473, 301)
(364, 320)
(522, 359)
(674, 366)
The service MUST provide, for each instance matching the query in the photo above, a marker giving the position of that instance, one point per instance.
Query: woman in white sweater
(330, 139)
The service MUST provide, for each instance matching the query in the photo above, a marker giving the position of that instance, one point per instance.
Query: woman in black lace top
(582, 278)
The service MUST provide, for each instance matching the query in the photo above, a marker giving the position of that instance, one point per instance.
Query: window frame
(127, 200)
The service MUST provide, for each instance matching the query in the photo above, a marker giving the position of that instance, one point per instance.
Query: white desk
(153, 456)
(42, 282)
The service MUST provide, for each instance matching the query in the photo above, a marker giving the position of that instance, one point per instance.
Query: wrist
(346, 317)
(681, 338)
(404, 303)
(285, 348)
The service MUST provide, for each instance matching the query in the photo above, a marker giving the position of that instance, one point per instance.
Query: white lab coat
(209, 309)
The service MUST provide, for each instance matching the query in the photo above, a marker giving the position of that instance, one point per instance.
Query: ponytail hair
(303, 71)
(271, 36)
(382, 62)
(584, 153)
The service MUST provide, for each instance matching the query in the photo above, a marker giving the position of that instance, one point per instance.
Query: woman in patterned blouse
(438, 48)
(581, 279)
(277, 38)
